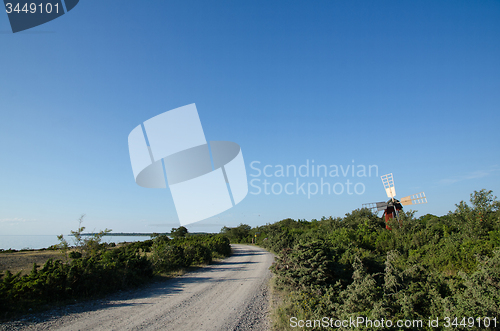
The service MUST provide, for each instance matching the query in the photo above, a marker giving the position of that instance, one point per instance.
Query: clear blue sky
(410, 86)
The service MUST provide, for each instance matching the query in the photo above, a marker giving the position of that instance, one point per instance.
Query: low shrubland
(426, 268)
(90, 269)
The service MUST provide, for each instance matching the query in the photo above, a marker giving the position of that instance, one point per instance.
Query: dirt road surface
(228, 295)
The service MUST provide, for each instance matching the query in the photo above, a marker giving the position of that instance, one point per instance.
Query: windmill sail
(414, 199)
(388, 182)
(376, 205)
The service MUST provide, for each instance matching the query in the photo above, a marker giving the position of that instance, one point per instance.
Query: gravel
(228, 295)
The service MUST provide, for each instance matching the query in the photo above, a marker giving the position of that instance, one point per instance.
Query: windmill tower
(392, 207)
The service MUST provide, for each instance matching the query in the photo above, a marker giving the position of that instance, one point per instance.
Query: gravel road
(229, 295)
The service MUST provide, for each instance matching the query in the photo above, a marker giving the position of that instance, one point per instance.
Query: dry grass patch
(23, 261)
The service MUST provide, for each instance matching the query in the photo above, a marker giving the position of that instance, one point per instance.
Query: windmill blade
(388, 182)
(375, 205)
(414, 199)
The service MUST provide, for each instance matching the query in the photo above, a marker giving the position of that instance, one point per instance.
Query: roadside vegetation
(427, 268)
(89, 268)
(340, 268)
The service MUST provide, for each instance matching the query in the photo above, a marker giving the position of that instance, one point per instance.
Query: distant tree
(180, 232)
(479, 218)
(160, 237)
(359, 216)
(88, 246)
(485, 201)
(241, 233)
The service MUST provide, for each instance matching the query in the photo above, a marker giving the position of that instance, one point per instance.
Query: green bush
(80, 278)
(423, 268)
(220, 246)
(181, 252)
(305, 266)
(75, 255)
(196, 253)
(94, 269)
(167, 257)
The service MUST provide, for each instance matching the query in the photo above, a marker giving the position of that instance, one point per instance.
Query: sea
(43, 241)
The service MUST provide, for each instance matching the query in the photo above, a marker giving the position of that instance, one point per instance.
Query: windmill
(392, 207)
